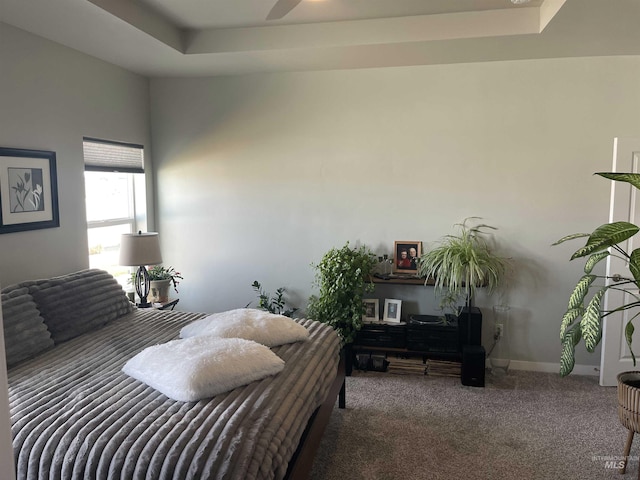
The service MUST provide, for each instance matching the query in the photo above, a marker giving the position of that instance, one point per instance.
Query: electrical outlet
(499, 330)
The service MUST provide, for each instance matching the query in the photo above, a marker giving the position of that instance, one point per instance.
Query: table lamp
(138, 250)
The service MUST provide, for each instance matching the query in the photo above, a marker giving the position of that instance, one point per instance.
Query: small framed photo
(371, 310)
(392, 309)
(28, 190)
(407, 254)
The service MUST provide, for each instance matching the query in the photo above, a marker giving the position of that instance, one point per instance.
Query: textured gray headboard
(39, 313)
(25, 334)
(79, 302)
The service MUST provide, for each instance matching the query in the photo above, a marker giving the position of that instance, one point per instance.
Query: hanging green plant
(343, 276)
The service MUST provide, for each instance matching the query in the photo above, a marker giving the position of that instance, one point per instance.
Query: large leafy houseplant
(343, 276)
(585, 313)
(463, 262)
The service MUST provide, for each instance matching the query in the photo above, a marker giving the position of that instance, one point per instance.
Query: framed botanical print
(28, 190)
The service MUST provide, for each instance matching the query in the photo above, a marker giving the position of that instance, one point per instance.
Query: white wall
(258, 176)
(50, 97)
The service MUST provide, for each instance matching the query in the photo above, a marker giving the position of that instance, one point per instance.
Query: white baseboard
(551, 367)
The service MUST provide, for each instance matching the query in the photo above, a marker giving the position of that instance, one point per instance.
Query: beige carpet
(526, 425)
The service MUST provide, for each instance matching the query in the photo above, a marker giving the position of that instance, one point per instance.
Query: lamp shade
(139, 249)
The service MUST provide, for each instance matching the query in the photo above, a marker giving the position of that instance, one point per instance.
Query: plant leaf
(632, 178)
(590, 324)
(605, 236)
(567, 357)
(594, 259)
(568, 318)
(628, 335)
(634, 264)
(570, 237)
(576, 299)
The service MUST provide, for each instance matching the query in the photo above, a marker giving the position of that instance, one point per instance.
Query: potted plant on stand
(161, 280)
(582, 321)
(343, 276)
(460, 264)
(585, 313)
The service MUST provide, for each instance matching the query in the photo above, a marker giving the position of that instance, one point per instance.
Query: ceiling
(227, 37)
(198, 14)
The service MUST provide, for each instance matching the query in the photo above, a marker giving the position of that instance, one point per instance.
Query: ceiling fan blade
(281, 8)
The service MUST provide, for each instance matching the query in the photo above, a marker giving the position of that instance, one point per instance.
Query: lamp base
(142, 283)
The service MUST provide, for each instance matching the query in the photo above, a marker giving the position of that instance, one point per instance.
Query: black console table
(424, 336)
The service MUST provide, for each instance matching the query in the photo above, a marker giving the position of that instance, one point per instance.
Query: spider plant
(463, 262)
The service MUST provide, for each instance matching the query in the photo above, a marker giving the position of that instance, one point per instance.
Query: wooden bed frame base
(302, 461)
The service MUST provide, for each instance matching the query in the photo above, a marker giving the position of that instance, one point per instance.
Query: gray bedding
(75, 415)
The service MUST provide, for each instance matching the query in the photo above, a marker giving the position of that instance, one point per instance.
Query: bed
(75, 414)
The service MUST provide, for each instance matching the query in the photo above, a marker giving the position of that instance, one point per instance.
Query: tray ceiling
(226, 37)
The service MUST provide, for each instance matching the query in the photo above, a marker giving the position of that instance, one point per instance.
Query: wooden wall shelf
(402, 281)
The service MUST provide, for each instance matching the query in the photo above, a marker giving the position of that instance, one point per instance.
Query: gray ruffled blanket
(75, 415)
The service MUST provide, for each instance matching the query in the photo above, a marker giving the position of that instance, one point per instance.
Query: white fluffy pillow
(251, 324)
(202, 367)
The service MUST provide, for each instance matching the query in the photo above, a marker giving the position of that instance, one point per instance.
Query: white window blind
(115, 201)
(108, 156)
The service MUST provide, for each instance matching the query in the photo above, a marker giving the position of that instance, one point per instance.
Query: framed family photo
(28, 190)
(406, 255)
(371, 310)
(392, 308)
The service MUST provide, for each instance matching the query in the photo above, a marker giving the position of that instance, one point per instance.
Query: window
(115, 201)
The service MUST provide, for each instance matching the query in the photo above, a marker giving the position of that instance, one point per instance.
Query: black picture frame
(28, 190)
(371, 310)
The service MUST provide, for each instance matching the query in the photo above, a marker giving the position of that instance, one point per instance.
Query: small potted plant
(273, 304)
(161, 279)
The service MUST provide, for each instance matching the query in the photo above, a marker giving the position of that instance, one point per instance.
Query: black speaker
(473, 360)
(470, 327)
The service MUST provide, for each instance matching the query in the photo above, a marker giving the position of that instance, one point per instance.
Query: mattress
(76, 415)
